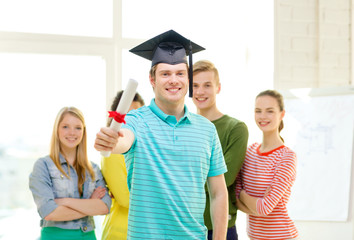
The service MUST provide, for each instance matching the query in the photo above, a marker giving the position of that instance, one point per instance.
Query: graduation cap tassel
(190, 70)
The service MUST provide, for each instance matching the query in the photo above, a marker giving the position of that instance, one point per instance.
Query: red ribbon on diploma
(117, 116)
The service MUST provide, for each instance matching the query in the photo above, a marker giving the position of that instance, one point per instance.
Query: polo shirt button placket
(175, 133)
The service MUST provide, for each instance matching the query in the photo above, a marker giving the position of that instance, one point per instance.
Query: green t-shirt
(233, 135)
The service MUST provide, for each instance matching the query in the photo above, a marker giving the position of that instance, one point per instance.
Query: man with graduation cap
(170, 153)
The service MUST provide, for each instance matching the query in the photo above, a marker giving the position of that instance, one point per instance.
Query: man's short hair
(206, 66)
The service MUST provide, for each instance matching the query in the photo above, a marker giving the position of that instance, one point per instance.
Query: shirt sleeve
(284, 178)
(115, 175)
(132, 123)
(235, 152)
(40, 185)
(100, 182)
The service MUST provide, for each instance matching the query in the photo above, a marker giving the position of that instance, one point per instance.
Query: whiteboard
(320, 131)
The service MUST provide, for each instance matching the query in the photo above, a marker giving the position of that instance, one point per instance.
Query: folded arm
(62, 213)
(284, 178)
(247, 203)
(74, 208)
(242, 207)
(89, 207)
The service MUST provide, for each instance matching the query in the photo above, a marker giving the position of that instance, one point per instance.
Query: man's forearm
(219, 209)
(219, 206)
(125, 141)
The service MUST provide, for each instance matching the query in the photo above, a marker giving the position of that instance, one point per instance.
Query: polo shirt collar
(168, 118)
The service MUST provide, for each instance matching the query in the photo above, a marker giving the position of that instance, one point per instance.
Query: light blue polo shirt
(168, 165)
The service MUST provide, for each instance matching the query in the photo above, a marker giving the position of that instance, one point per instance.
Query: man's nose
(173, 79)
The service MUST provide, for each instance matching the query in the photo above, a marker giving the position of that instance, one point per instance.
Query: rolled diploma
(123, 107)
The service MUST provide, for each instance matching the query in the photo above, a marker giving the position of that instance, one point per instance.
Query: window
(34, 87)
(57, 53)
(79, 17)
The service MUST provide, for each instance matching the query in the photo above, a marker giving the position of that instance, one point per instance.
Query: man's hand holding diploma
(107, 139)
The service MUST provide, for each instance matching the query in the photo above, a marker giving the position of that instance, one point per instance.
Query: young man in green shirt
(233, 135)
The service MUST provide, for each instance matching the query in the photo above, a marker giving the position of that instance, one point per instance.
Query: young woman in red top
(267, 175)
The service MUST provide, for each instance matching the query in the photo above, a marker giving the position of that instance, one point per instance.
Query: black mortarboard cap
(169, 47)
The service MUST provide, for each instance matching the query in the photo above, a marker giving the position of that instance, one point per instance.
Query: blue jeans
(231, 234)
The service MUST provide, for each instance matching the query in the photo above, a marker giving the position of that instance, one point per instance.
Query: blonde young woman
(67, 188)
(267, 175)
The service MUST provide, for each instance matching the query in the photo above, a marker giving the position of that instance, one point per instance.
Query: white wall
(313, 43)
(313, 50)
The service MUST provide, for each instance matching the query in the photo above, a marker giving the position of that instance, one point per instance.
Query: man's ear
(218, 88)
(152, 81)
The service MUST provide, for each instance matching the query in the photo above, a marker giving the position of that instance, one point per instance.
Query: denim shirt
(47, 183)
